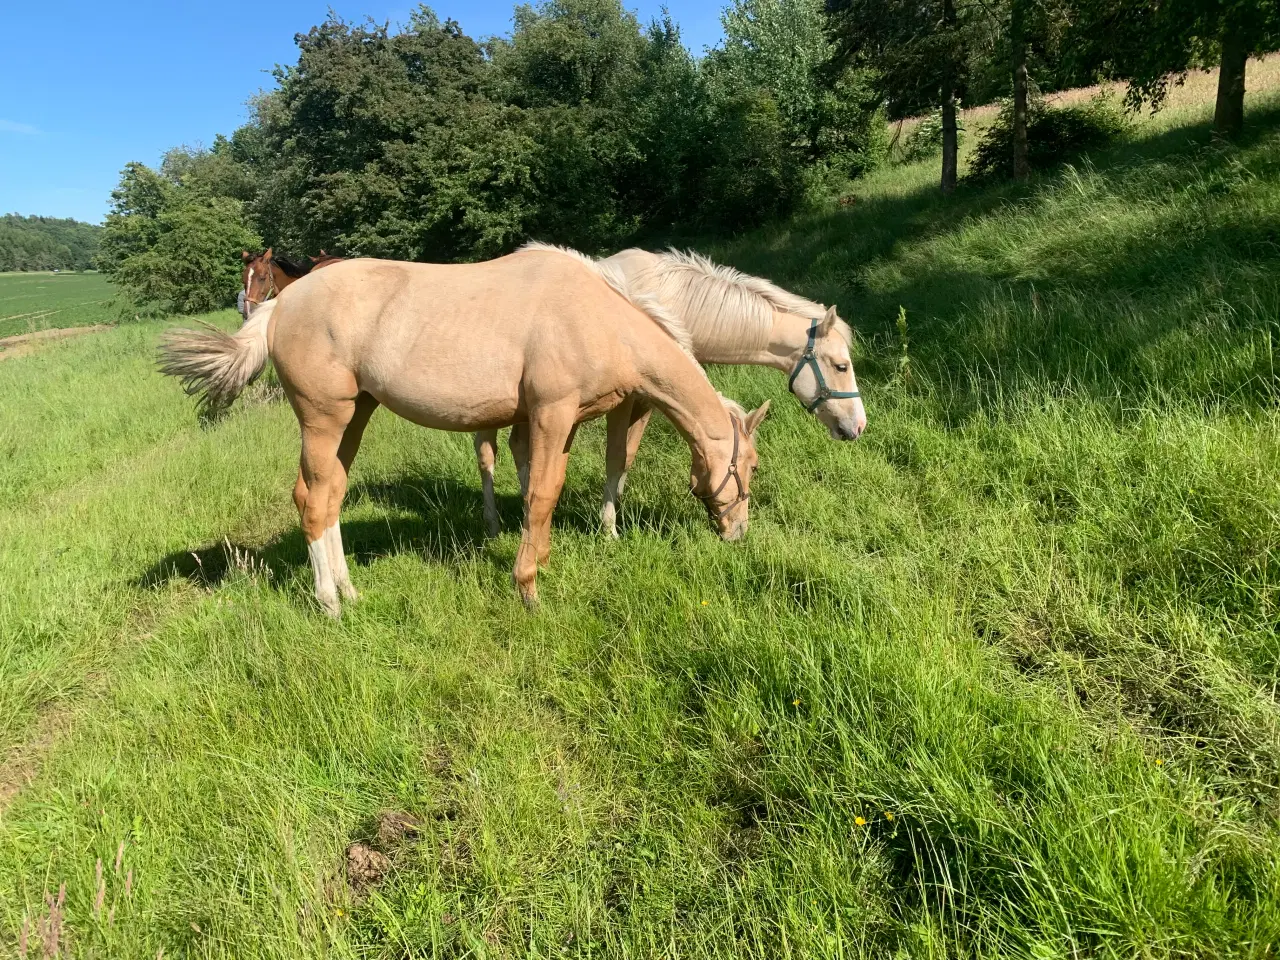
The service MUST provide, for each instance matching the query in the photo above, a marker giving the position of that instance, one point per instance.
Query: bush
(925, 141)
(1054, 136)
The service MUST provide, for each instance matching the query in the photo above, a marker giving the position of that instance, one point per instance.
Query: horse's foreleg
(551, 432)
(486, 444)
(626, 423)
(518, 443)
(347, 450)
(618, 422)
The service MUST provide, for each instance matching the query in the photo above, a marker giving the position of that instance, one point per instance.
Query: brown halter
(271, 291)
(731, 474)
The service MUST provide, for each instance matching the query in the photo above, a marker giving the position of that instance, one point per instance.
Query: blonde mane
(645, 301)
(724, 309)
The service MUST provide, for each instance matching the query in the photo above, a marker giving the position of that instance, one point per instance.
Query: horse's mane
(292, 268)
(721, 307)
(643, 300)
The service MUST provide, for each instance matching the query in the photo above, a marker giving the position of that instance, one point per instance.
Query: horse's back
(456, 345)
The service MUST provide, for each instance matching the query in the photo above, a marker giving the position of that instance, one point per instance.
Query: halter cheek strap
(270, 291)
(810, 359)
(708, 499)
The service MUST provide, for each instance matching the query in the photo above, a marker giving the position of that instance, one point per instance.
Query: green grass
(39, 301)
(1032, 615)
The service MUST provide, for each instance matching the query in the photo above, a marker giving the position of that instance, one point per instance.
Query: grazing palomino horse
(265, 274)
(545, 337)
(730, 317)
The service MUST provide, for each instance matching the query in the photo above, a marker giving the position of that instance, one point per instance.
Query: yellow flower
(706, 603)
(860, 821)
(888, 815)
(795, 702)
(1159, 762)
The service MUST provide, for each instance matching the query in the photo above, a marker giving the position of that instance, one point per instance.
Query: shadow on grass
(435, 517)
(1169, 294)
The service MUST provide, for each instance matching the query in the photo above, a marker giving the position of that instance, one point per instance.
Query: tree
(917, 50)
(169, 245)
(782, 50)
(1146, 42)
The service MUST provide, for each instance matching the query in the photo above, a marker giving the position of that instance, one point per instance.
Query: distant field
(40, 301)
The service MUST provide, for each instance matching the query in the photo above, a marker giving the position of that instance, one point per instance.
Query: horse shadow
(435, 517)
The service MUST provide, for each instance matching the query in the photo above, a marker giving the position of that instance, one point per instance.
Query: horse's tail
(215, 365)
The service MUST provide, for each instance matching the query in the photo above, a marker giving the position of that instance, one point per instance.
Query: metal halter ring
(731, 474)
(810, 359)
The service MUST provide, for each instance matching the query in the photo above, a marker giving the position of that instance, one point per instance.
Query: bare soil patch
(24, 343)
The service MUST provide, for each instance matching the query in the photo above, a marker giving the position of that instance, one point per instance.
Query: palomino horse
(544, 337)
(265, 274)
(730, 317)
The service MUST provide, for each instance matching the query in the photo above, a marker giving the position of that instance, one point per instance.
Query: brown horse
(265, 274)
(543, 337)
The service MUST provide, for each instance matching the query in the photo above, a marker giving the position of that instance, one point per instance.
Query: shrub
(925, 141)
(1053, 136)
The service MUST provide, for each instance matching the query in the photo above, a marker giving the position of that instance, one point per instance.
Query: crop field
(998, 679)
(30, 302)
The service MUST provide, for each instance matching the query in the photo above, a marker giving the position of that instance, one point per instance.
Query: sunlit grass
(996, 680)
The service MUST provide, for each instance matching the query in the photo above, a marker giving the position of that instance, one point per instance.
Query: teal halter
(810, 359)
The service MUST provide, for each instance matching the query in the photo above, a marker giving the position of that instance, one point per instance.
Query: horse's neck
(679, 388)
(281, 278)
(787, 337)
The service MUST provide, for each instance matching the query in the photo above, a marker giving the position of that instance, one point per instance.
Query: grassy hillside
(996, 680)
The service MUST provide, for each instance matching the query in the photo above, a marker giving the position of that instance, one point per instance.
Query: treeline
(587, 127)
(46, 243)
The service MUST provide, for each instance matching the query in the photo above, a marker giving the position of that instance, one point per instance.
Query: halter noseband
(733, 474)
(810, 359)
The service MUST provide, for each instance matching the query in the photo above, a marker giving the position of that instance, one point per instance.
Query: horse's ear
(246, 256)
(755, 417)
(267, 255)
(828, 322)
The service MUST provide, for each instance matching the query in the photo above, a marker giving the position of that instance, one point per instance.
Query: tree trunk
(950, 141)
(1228, 116)
(1017, 37)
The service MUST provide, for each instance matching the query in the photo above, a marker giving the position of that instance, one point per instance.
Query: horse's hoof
(348, 592)
(330, 605)
(529, 595)
(492, 526)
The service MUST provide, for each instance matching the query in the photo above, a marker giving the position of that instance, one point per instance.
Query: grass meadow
(30, 302)
(997, 680)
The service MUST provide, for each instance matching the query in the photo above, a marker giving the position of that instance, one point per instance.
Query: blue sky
(87, 87)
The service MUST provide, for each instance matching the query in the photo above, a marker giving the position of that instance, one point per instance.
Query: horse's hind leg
(321, 471)
(486, 444)
(347, 450)
(518, 443)
(626, 423)
(550, 436)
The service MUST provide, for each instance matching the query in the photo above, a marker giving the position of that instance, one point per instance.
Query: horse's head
(259, 285)
(723, 484)
(823, 380)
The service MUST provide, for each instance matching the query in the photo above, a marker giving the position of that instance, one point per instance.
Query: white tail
(215, 365)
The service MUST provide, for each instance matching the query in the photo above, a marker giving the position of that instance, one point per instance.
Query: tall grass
(996, 680)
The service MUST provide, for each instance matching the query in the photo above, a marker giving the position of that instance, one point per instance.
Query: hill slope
(46, 243)
(996, 680)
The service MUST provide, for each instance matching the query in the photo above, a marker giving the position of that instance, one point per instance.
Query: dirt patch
(368, 863)
(396, 828)
(24, 343)
(365, 868)
(19, 768)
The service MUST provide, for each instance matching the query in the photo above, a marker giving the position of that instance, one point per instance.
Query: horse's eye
(842, 367)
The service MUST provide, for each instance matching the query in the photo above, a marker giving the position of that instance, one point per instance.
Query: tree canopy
(46, 243)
